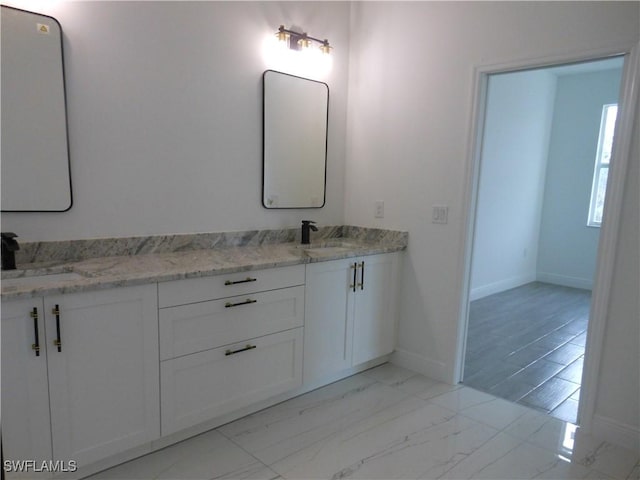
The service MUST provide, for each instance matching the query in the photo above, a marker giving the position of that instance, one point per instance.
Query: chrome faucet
(307, 225)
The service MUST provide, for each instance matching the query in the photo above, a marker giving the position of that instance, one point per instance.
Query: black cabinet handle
(35, 346)
(233, 352)
(355, 274)
(246, 280)
(58, 341)
(362, 277)
(246, 302)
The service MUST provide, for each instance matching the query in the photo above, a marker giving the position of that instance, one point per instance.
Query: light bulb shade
(325, 48)
(282, 36)
(304, 42)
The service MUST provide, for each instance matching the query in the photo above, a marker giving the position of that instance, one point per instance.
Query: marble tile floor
(526, 345)
(388, 423)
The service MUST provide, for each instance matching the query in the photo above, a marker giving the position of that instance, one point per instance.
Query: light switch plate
(440, 214)
(378, 209)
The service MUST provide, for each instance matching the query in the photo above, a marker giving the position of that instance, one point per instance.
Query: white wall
(164, 110)
(568, 247)
(410, 110)
(618, 401)
(165, 116)
(511, 187)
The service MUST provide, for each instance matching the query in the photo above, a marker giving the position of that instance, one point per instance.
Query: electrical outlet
(440, 214)
(379, 209)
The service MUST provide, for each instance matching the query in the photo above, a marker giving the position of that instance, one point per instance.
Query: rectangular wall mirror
(295, 141)
(35, 153)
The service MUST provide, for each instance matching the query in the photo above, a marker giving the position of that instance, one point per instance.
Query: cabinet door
(205, 385)
(328, 326)
(26, 433)
(374, 310)
(104, 381)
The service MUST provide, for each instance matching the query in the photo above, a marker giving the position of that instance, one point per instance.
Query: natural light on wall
(601, 169)
(38, 6)
(308, 62)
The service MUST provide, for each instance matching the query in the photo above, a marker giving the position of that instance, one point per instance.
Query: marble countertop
(39, 279)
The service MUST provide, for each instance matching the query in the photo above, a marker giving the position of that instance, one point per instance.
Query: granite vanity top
(64, 275)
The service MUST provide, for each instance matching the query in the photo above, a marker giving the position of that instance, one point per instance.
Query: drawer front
(201, 326)
(199, 387)
(181, 292)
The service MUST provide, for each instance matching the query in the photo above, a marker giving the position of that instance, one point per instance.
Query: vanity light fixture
(301, 41)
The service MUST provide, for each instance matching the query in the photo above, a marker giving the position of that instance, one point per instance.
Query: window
(601, 170)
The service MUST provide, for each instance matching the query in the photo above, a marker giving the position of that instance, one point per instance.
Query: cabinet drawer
(181, 292)
(200, 326)
(198, 387)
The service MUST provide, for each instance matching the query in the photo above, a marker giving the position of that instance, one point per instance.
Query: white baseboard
(497, 287)
(420, 364)
(565, 280)
(615, 432)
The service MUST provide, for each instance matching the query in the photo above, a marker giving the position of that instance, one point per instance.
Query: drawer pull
(355, 272)
(58, 341)
(35, 346)
(246, 302)
(246, 280)
(232, 352)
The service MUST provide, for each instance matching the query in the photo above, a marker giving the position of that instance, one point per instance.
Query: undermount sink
(329, 247)
(328, 244)
(327, 250)
(40, 278)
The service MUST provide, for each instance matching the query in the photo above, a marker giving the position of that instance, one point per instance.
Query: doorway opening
(542, 180)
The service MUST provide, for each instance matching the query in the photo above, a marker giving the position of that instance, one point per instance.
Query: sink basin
(327, 250)
(41, 279)
(35, 271)
(330, 247)
(328, 244)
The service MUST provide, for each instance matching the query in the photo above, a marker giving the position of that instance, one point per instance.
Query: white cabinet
(350, 315)
(26, 425)
(90, 375)
(208, 384)
(374, 302)
(328, 321)
(221, 353)
(191, 290)
(100, 351)
(103, 381)
(201, 326)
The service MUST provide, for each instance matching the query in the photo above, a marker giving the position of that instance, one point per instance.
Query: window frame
(600, 165)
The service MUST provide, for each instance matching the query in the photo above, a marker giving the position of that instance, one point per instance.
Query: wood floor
(526, 345)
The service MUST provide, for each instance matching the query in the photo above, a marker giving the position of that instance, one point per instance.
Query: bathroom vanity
(79, 374)
(108, 358)
(229, 341)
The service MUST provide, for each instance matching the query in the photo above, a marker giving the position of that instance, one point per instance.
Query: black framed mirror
(295, 122)
(35, 149)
